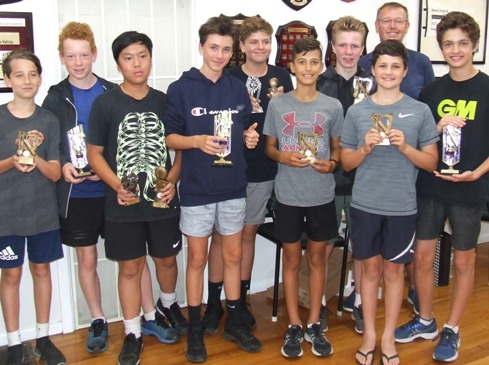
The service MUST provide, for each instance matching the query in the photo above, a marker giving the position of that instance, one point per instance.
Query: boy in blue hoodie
(207, 114)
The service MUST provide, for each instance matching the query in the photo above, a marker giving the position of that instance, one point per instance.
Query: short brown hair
(20, 54)
(220, 25)
(460, 20)
(79, 31)
(304, 45)
(253, 25)
(348, 24)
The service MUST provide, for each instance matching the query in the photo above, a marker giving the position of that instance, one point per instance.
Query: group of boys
(219, 121)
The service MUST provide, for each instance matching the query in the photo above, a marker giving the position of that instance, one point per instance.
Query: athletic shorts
(319, 222)
(132, 240)
(257, 195)
(41, 248)
(465, 222)
(84, 223)
(226, 216)
(391, 237)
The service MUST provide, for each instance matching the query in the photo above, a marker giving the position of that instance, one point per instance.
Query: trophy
(28, 143)
(160, 183)
(274, 83)
(308, 145)
(78, 150)
(382, 123)
(222, 128)
(452, 137)
(253, 84)
(130, 183)
(361, 88)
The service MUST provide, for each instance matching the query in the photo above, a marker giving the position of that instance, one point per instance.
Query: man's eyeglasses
(388, 21)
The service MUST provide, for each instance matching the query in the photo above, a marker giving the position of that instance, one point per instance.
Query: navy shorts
(42, 248)
(319, 222)
(84, 223)
(132, 240)
(465, 222)
(391, 237)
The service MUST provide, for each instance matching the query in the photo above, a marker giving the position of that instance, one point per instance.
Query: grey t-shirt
(286, 116)
(385, 180)
(28, 200)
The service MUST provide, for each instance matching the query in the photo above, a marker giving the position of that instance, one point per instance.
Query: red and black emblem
(297, 4)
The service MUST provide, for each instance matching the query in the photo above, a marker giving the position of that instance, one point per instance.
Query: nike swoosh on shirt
(405, 115)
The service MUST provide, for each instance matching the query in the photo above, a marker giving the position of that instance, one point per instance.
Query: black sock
(233, 309)
(245, 286)
(214, 290)
(195, 321)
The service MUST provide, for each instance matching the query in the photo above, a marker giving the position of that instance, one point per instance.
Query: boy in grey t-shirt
(383, 208)
(303, 129)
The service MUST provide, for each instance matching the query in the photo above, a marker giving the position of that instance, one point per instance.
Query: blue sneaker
(349, 302)
(447, 348)
(97, 337)
(412, 298)
(160, 328)
(415, 329)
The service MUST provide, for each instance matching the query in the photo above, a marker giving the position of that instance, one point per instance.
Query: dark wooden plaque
(238, 57)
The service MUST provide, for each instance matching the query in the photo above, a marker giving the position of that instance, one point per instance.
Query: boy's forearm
(51, 169)
(179, 142)
(174, 174)
(6, 164)
(101, 167)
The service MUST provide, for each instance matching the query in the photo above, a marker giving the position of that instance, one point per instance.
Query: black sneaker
(15, 355)
(195, 346)
(323, 317)
(292, 342)
(47, 352)
(97, 337)
(320, 344)
(131, 350)
(174, 316)
(210, 321)
(242, 335)
(247, 317)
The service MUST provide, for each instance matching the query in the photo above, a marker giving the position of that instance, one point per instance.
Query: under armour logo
(315, 126)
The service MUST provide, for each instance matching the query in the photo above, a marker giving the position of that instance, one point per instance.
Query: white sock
(13, 338)
(168, 299)
(309, 325)
(323, 300)
(454, 328)
(42, 330)
(150, 316)
(425, 322)
(133, 326)
(358, 299)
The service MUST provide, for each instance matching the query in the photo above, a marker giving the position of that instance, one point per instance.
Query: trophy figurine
(160, 183)
(222, 128)
(130, 183)
(308, 145)
(253, 84)
(274, 84)
(361, 88)
(382, 123)
(452, 137)
(28, 143)
(78, 150)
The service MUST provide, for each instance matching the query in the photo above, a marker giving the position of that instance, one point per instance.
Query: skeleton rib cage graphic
(141, 147)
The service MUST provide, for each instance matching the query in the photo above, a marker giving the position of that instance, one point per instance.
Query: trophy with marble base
(222, 128)
(78, 151)
(253, 84)
(27, 146)
(361, 88)
(452, 136)
(160, 183)
(130, 183)
(308, 145)
(382, 123)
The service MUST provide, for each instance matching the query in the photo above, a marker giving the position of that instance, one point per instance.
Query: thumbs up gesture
(251, 136)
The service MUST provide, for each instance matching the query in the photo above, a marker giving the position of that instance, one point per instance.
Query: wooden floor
(345, 341)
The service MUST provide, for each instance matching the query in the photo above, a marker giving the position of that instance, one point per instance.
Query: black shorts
(391, 237)
(131, 240)
(84, 223)
(319, 223)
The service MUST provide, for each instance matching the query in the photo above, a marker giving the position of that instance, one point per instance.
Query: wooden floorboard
(474, 335)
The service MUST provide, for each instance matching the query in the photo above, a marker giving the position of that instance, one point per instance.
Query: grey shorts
(257, 195)
(226, 216)
(465, 222)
